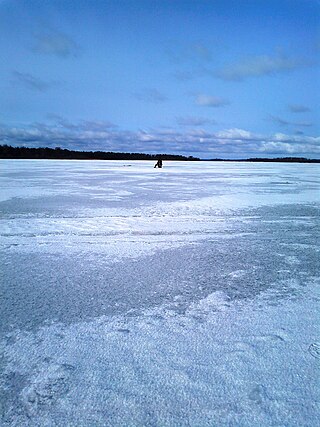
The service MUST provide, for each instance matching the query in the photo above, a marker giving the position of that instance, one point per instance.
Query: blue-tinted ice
(137, 296)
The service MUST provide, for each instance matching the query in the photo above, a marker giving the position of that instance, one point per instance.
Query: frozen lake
(182, 296)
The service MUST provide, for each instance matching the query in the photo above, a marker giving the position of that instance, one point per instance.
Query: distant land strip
(8, 152)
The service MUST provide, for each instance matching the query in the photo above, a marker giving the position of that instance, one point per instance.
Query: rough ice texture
(131, 296)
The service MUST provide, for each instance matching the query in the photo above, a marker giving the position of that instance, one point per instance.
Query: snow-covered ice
(133, 296)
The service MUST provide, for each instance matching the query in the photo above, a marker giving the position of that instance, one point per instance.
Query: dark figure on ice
(158, 164)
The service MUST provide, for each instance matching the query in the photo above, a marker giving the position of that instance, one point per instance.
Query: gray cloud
(194, 121)
(228, 143)
(182, 52)
(284, 122)
(303, 124)
(210, 101)
(295, 108)
(183, 76)
(32, 82)
(151, 95)
(61, 121)
(55, 43)
(191, 57)
(97, 125)
(92, 125)
(200, 50)
(257, 66)
(279, 120)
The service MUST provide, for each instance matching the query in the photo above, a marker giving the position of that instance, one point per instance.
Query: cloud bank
(93, 135)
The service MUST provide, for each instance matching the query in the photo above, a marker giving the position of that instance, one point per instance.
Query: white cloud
(236, 134)
(277, 147)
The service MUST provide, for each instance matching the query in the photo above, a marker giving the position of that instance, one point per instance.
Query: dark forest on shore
(8, 152)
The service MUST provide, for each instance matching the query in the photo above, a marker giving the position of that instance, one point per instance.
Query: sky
(207, 78)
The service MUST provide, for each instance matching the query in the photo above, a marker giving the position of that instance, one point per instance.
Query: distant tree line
(8, 152)
(270, 160)
(284, 159)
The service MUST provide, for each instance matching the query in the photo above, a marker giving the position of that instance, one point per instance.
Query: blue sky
(216, 78)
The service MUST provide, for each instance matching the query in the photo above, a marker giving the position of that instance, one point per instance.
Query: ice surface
(174, 297)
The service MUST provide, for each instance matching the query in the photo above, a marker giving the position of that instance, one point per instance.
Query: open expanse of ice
(182, 296)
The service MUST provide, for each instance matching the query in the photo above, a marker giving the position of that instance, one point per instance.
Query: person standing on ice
(158, 164)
